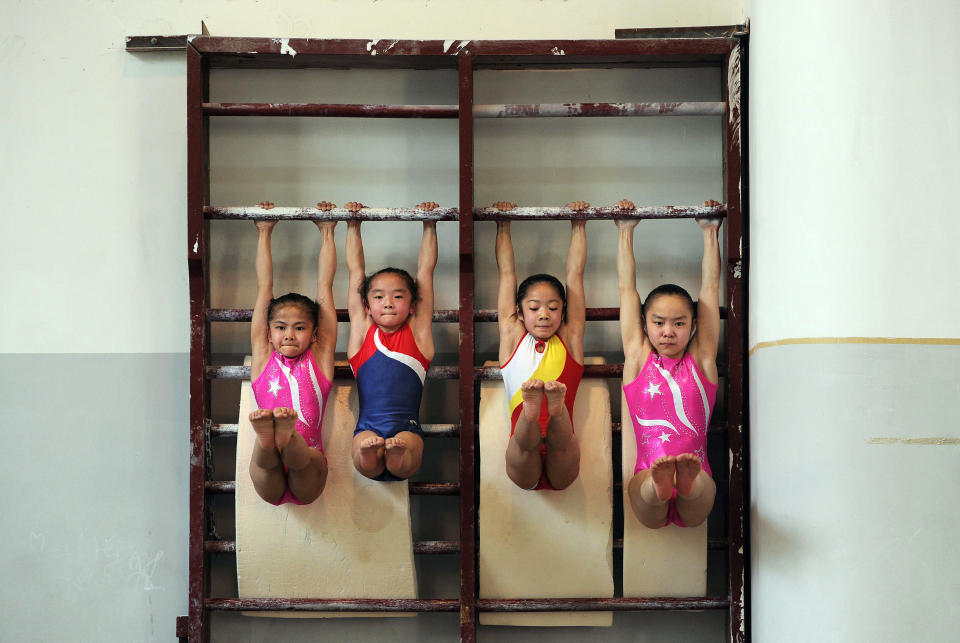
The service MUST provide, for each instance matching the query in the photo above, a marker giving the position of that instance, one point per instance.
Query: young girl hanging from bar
(390, 348)
(670, 370)
(293, 339)
(541, 328)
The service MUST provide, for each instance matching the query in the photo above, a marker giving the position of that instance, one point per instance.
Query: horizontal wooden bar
(535, 110)
(340, 371)
(256, 213)
(718, 31)
(304, 51)
(598, 604)
(640, 212)
(235, 372)
(333, 604)
(321, 109)
(452, 315)
(426, 547)
(531, 110)
(415, 488)
(520, 213)
(429, 430)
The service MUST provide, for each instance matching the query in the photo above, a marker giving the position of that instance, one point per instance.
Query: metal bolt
(153, 41)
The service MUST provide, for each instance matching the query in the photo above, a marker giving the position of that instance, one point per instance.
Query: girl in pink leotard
(670, 375)
(293, 340)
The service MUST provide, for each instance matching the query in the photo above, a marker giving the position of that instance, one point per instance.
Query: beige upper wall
(94, 163)
(854, 141)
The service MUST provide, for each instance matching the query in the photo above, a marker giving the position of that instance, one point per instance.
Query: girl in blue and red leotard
(670, 384)
(390, 348)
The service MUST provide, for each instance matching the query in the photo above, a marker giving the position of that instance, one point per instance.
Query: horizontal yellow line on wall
(942, 341)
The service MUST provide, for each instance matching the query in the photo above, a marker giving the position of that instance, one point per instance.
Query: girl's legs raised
(306, 466)
(404, 451)
(563, 448)
(524, 465)
(650, 491)
(266, 468)
(695, 490)
(368, 448)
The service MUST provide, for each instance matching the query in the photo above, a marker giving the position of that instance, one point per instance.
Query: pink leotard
(295, 383)
(670, 403)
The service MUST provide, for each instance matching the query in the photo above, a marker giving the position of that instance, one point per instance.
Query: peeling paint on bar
(705, 108)
(285, 48)
(336, 214)
(556, 51)
(733, 90)
(647, 212)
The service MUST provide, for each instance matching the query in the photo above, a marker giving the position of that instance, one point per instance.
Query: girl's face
(389, 301)
(291, 330)
(541, 310)
(669, 325)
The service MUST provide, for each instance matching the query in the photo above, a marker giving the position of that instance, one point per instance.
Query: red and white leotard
(542, 360)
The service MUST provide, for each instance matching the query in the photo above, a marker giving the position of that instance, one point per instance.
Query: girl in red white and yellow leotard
(670, 383)
(541, 326)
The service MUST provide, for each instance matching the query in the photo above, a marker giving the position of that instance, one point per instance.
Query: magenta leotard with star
(295, 383)
(670, 403)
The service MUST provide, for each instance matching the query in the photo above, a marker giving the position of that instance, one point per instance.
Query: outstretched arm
(705, 342)
(422, 321)
(355, 307)
(576, 297)
(326, 342)
(259, 325)
(506, 290)
(631, 318)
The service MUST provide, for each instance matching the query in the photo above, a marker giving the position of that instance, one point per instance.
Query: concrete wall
(855, 437)
(94, 348)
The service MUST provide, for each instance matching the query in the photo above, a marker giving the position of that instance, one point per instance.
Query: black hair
(542, 278)
(295, 299)
(364, 289)
(669, 289)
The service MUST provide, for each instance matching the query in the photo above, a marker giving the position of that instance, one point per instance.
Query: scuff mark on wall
(935, 441)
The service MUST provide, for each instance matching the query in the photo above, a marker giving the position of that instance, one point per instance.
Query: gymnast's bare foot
(555, 392)
(394, 450)
(262, 422)
(284, 421)
(370, 452)
(661, 475)
(532, 393)
(688, 468)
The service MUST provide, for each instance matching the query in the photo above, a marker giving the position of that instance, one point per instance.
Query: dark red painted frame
(205, 52)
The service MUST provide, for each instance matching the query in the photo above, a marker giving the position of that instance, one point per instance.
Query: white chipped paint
(737, 272)
(733, 90)
(191, 37)
(556, 51)
(447, 44)
(370, 46)
(285, 48)
(196, 245)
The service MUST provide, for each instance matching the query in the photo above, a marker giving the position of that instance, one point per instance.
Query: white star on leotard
(664, 437)
(652, 390)
(275, 386)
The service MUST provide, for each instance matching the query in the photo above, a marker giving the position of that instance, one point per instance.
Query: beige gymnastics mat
(354, 541)
(670, 561)
(547, 544)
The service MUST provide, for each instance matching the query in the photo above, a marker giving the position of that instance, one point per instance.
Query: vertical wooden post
(736, 341)
(197, 264)
(468, 513)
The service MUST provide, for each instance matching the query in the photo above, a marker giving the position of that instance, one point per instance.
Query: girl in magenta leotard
(541, 359)
(670, 375)
(293, 340)
(390, 348)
